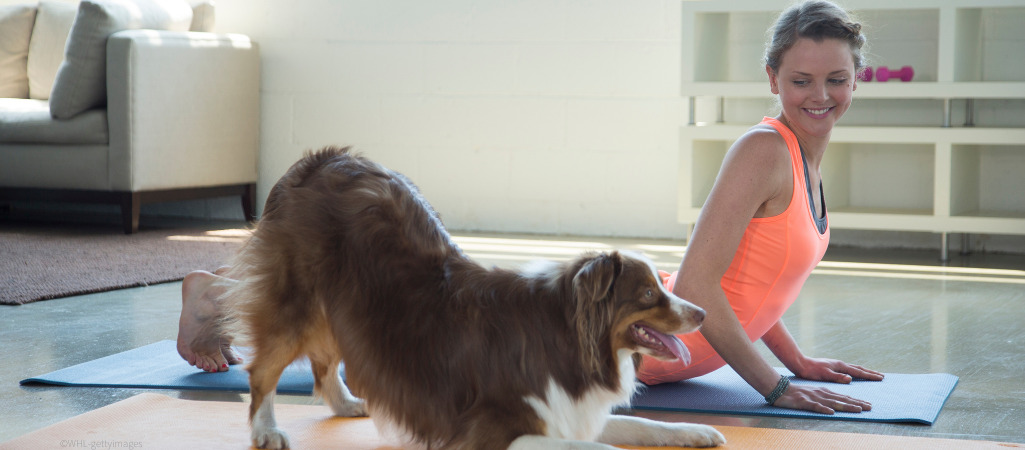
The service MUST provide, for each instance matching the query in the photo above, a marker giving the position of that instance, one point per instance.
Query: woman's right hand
(820, 400)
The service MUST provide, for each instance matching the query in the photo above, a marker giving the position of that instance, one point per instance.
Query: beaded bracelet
(781, 387)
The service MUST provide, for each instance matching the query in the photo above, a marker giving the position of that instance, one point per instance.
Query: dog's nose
(698, 315)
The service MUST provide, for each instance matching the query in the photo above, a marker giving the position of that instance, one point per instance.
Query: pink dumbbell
(865, 74)
(905, 73)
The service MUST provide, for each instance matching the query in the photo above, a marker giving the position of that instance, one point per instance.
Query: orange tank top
(776, 254)
(774, 259)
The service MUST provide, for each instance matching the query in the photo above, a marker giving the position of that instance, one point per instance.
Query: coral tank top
(772, 262)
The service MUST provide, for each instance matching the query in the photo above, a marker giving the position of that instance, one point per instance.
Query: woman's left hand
(822, 369)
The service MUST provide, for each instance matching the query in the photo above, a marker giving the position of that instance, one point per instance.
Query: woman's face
(815, 84)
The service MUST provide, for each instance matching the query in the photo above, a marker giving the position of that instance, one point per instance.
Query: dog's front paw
(271, 438)
(700, 436)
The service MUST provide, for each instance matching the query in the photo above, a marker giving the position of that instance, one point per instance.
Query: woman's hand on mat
(820, 400)
(823, 400)
(822, 369)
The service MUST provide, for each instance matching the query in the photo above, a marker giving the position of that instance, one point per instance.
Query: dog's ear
(596, 278)
(592, 284)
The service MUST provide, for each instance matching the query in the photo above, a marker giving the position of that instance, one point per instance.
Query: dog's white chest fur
(585, 418)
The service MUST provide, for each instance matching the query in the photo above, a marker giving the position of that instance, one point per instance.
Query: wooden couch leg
(130, 206)
(249, 202)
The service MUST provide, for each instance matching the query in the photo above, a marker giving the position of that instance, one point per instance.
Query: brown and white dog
(350, 263)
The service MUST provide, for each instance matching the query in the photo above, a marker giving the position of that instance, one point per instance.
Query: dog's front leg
(263, 382)
(265, 432)
(629, 430)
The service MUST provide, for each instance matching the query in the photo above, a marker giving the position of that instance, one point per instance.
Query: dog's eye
(649, 293)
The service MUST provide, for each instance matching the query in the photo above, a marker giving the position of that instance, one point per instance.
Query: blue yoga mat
(898, 398)
(158, 366)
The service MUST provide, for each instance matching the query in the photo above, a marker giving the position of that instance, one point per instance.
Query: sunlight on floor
(228, 235)
(513, 251)
(897, 271)
(668, 257)
(504, 250)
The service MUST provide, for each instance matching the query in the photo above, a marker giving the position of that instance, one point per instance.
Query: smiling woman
(764, 225)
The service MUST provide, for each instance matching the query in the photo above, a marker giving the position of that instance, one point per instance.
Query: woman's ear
(773, 82)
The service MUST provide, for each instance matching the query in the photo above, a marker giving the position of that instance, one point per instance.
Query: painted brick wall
(553, 116)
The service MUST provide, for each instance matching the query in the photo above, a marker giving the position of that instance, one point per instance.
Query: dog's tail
(302, 171)
(254, 270)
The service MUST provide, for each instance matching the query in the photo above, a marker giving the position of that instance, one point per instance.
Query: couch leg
(249, 202)
(130, 206)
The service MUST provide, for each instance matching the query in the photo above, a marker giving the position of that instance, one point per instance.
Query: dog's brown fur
(350, 263)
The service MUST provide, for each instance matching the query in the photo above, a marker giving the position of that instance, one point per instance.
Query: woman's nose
(820, 92)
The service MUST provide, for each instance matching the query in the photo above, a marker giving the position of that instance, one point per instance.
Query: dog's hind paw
(270, 439)
(350, 407)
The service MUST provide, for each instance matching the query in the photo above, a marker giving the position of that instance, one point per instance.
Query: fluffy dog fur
(349, 263)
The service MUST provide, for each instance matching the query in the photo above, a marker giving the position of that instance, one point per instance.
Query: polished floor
(894, 311)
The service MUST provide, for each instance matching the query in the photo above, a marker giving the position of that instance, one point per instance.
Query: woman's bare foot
(200, 341)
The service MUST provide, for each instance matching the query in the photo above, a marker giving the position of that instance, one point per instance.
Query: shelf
(894, 134)
(854, 219)
(867, 219)
(857, 5)
(890, 89)
(906, 220)
(880, 178)
(959, 41)
(890, 177)
(986, 181)
(894, 167)
(993, 225)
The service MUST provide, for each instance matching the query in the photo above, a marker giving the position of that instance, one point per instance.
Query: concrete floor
(894, 311)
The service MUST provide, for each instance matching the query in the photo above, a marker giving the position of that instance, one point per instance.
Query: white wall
(546, 116)
(540, 116)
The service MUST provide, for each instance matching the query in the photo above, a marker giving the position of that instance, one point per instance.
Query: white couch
(137, 108)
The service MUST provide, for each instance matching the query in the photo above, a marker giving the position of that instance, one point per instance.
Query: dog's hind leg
(330, 385)
(264, 372)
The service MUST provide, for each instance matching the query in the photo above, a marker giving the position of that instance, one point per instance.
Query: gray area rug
(46, 261)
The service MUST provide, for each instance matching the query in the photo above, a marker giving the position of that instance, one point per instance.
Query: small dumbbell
(905, 73)
(865, 74)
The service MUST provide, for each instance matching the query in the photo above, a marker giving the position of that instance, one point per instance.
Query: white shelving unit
(943, 153)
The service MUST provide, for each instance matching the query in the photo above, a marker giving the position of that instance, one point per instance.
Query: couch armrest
(183, 109)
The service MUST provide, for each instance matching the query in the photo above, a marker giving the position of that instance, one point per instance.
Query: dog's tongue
(673, 344)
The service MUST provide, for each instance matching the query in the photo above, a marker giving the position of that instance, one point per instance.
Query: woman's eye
(800, 82)
(838, 81)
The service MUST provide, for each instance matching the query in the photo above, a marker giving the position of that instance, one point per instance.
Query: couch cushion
(25, 121)
(202, 16)
(81, 81)
(16, 23)
(46, 48)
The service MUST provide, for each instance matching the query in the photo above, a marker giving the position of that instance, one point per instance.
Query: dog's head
(621, 296)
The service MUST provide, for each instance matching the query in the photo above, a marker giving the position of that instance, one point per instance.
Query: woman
(764, 228)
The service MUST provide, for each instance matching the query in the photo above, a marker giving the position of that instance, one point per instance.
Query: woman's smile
(821, 113)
